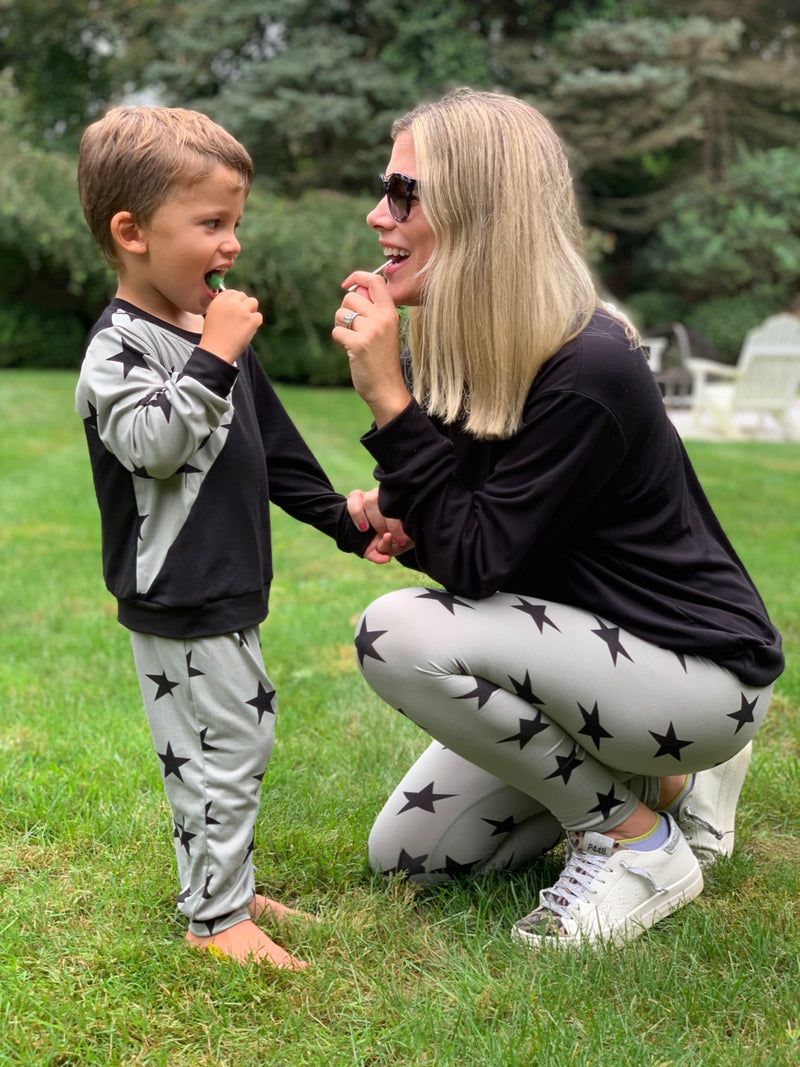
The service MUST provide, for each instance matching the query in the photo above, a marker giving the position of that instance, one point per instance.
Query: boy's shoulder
(123, 325)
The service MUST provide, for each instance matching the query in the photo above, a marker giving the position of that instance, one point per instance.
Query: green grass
(94, 969)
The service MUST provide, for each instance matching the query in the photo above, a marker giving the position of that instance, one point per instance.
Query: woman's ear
(127, 234)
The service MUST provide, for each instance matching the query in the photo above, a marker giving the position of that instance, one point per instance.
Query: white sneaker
(707, 815)
(610, 893)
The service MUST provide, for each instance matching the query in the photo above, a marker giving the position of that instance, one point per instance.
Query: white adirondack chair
(763, 384)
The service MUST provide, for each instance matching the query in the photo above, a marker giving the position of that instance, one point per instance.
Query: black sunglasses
(399, 192)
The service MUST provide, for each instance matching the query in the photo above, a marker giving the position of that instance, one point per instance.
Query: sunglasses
(399, 192)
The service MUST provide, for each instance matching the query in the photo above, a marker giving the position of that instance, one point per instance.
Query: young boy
(189, 445)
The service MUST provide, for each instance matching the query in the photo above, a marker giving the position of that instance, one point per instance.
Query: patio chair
(763, 385)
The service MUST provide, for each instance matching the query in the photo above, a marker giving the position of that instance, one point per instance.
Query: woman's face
(407, 244)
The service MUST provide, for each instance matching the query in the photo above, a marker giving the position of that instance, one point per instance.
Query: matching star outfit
(187, 455)
(596, 629)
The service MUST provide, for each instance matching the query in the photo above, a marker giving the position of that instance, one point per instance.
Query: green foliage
(33, 337)
(735, 236)
(725, 320)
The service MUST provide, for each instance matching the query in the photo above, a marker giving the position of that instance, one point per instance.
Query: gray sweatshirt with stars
(187, 454)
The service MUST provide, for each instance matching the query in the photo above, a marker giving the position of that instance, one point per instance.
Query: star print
(591, 725)
(566, 765)
(129, 358)
(92, 418)
(250, 849)
(408, 864)
(193, 672)
(184, 896)
(682, 660)
(187, 468)
(538, 612)
(262, 702)
(185, 838)
(424, 799)
(669, 743)
(523, 689)
(744, 714)
(164, 686)
(454, 869)
(610, 634)
(365, 639)
(140, 472)
(211, 923)
(157, 399)
(207, 894)
(528, 728)
(204, 745)
(501, 826)
(172, 763)
(606, 802)
(483, 691)
(242, 636)
(448, 600)
(209, 820)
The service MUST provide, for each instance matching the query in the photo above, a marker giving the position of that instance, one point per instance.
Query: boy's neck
(150, 302)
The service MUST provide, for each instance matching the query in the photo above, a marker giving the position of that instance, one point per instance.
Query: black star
(92, 418)
(538, 612)
(591, 725)
(250, 849)
(448, 600)
(185, 838)
(242, 635)
(262, 702)
(129, 358)
(140, 472)
(204, 745)
(681, 659)
(408, 864)
(744, 714)
(528, 728)
(172, 763)
(163, 684)
(424, 799)
(453, 868)
(209, 820)
(610, 634)
(207, 894)
(483, 690)
(523, 689)
(211, 923)
(669, 744)
(187, 468)
(365, 639)
(606, 802)
(192, 671)
(501, 826)
(157, 399)
(185, 895)
(566, 765)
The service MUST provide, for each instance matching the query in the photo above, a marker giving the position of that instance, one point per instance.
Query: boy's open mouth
(214, 281)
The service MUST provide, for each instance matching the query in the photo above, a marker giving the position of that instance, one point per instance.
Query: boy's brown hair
(135, 158)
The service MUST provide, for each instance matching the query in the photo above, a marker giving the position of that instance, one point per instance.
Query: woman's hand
(390, 538)
(372, 343)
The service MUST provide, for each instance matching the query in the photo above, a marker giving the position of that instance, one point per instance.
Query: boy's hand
(390, 538)
(230, 324)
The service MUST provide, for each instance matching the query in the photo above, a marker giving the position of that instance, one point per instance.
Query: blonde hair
(507, 284)
(136, 158)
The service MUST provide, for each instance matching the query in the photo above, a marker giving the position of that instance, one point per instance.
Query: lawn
(94, 969)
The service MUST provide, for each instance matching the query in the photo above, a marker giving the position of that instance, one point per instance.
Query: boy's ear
(127, 234)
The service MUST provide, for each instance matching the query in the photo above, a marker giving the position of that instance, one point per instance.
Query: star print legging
(211, 711)
(545, 717)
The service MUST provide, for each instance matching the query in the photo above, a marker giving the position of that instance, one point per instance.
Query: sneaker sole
(646, 915)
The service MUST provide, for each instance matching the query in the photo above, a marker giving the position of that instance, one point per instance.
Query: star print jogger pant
(545, 717)
(211, 711)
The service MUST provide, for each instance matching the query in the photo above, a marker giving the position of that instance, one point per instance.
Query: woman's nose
(380, 218)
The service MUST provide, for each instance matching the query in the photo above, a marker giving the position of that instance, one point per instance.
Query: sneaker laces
(575, 883)
(687, 813)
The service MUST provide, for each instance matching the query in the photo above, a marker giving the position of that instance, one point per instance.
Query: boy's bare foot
(273, 909)
(246, 943)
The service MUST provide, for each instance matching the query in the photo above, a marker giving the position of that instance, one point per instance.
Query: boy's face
(190, 236)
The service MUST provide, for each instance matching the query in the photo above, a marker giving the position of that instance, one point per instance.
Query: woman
(598, 660)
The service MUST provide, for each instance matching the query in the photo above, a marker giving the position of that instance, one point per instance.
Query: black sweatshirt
(187, 454)
(593, 503)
